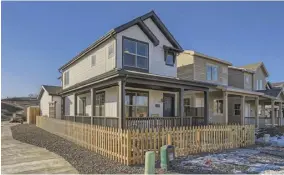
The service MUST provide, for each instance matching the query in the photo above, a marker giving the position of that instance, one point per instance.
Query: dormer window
(135, 54)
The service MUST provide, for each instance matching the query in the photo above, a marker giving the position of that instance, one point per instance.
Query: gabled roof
(51, 90)
(272, 92)
(137, 21)
(192, 52)
(255, 66)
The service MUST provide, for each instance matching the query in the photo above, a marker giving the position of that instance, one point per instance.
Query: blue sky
(39, 37)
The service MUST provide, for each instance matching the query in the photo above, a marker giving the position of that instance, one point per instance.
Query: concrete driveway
(22, 158)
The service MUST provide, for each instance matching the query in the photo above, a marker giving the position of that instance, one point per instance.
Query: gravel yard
(85, 161)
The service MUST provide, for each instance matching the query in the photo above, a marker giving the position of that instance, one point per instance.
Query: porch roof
(141, 77)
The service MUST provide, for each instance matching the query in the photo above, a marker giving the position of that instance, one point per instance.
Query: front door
(169, 105)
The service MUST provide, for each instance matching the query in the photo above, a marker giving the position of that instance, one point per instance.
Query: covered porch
(136, 100)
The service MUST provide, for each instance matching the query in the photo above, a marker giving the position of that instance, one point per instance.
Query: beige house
(128, 78)
(240, 95)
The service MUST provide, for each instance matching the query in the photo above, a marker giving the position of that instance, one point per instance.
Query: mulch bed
(85, 161)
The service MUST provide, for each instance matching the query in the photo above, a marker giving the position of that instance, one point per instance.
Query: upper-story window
(169, 58)
(110, 50)
(66, 78)
(135, 54)
(93, 60)
(211, 72)
(247, 79)
(259, 85)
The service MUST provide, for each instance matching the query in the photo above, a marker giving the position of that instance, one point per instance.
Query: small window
(237, 109)
(93, 60)
(110, 51)
(66, 78)
(211, 72)
(218, 106)
(170, 58)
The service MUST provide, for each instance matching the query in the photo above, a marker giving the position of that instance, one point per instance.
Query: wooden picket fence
(129, 146)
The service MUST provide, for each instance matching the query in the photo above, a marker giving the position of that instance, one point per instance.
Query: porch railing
(138, 122)
(97, 120)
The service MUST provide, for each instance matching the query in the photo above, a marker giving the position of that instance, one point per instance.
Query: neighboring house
(50, 101)
(238, 96)
(23, 102)
(278, 84)
(129, 74)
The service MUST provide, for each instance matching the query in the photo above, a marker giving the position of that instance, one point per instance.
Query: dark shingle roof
(52, 90)
(271, 92)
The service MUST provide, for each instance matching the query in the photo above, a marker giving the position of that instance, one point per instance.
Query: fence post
(129, 147)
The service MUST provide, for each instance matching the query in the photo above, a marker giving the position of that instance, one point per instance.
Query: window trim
(137, 91)
(212, 65)
(92, 65)
(64, 78)
(166, 55)
(134, 67)
(108, 49)
(237, 109)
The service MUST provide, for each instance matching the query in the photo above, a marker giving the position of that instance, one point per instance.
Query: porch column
(280, 114)
(256, 112)
(225, 106)
(263, 110)
(93, 105)
(121, 103)
(181, 104)
(75, 106)
(206, 107)
(243, 98)
(272, 112)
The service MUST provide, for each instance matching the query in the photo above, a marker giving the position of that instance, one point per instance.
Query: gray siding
(236, 78)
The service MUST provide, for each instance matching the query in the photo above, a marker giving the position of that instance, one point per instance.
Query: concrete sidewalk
(22, 158)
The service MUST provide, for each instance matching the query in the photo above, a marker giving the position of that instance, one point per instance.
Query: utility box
(167, 155)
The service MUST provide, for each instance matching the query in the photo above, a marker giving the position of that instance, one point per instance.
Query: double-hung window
(100, 104)
(237, 109)
(135, 54)
(211, 72)
(136, 104)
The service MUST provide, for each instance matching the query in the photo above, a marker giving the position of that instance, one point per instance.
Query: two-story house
(238, 94)
(127, 76)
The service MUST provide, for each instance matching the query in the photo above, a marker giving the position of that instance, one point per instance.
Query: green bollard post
(167, 155)
(150, 162)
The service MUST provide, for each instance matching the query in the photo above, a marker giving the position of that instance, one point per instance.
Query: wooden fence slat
(129, 146)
